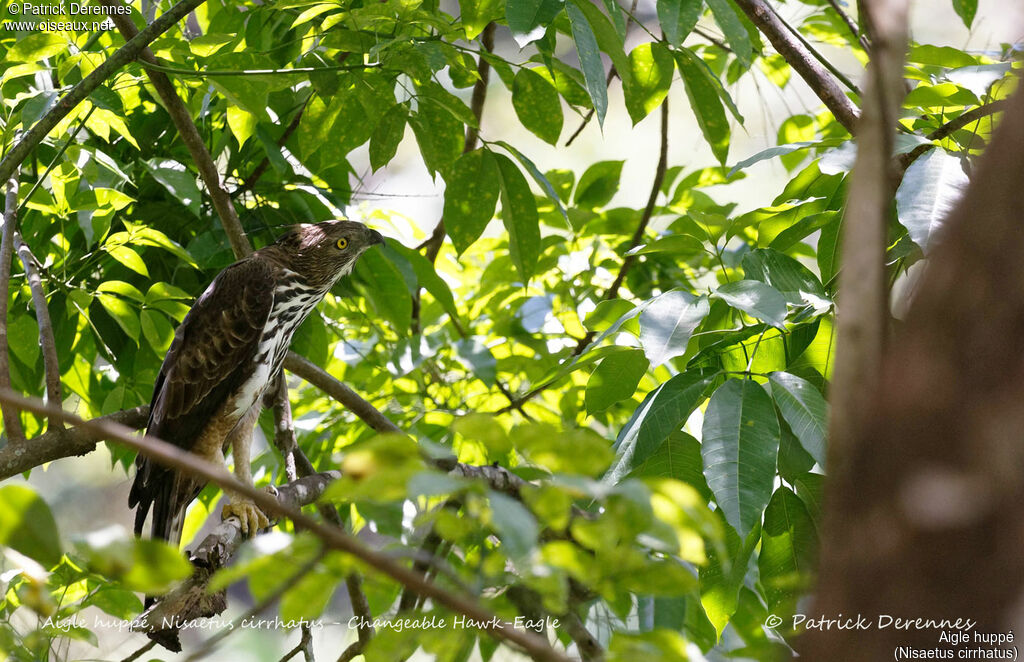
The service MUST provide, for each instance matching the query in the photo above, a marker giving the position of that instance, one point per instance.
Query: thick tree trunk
(926, 517)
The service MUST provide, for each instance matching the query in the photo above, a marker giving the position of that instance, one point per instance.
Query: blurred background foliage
(659, 371)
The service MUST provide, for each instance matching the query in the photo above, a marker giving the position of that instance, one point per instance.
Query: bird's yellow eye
(342, 243)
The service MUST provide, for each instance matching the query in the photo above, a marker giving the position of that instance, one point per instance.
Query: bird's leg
(249, 515)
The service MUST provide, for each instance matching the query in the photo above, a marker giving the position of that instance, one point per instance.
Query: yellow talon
(250, 517)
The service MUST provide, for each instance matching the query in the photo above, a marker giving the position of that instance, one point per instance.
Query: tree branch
(801, 61)
(854, 30)
(12, 422)
(334, 538)
(189, 133)
(863, 313)
(56, 444)
(51, 366)
(10, 162)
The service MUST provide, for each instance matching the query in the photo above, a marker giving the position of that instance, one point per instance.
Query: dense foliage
(658, 373)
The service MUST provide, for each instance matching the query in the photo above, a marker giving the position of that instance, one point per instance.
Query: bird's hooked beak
(376, 238)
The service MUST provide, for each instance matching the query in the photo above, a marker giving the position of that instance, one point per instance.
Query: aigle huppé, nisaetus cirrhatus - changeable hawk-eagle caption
(225, 354)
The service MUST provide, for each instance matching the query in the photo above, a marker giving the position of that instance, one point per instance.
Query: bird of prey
(225, 354)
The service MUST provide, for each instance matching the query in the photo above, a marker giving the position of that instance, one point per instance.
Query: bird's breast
(293, 302)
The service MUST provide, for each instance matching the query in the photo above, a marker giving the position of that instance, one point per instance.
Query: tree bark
(926, 518)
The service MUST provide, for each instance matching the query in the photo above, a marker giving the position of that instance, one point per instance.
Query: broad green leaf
(794, 280)
(178, 181)
(473, 354)
(129, 258)
(609, 39)
(153, 237)
(527, 18)
(439, 135)
(515, 525)
(652, 67)
(519, 214)
(930, 189)
(470, 197)
(966, 9)
(722, 577)
(733, 29)
(590, 59)
(23, 339)
(778, 150)
(740, 444)
(598, 184)
(309, 597)
(668, 322)
(27, 525)
(126, 316)
(705, 102)
(756, 299)
(662, 413)
(386, 137)
(242, 123)
(678, 18)
(537, 105)
(35, 47)
(539, 177)
(978, 78)
(615, 379)
(386, 288)
(677, 457)
(426, 276)
(806, 411)
(789, 543)
(476, 14)
(940, 56)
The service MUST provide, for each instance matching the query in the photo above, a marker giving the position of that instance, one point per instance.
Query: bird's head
(324, 252)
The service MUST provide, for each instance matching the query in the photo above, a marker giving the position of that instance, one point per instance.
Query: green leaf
(515, 525)
(598, 184)
(615, 379)
(519, 214)
(651, 66)
(677, 457)
(668, 322)
(178, 181)
(426, 276)
(470, 197)
(386, 288)
(678, 18)
(526, 18)
(740, 444)
(789, 542)
(387, 135)
(473, 354)
(722, 578)
(705, 102)
(662, 413)
(590, 59)
(804, 408)
(538, 177)
(439, 135)
(309, 597)
(476, 14)
(756, 299)
(733, 29)
(23, 339)
(930, 189)
(27, 525)
(128, 258)
(794, 280)
(126, 317)
(778, 150)
(537, 105)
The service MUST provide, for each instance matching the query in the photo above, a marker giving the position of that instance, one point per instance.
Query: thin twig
(139, 653)
(802, 62)
(182, 119)
(852, 25)
(12, 422)
(130, 51)
(304, 646)
(51, 367)
(817, 55)
(334, 538)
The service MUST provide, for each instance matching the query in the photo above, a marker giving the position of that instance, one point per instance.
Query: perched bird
(228, 349)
